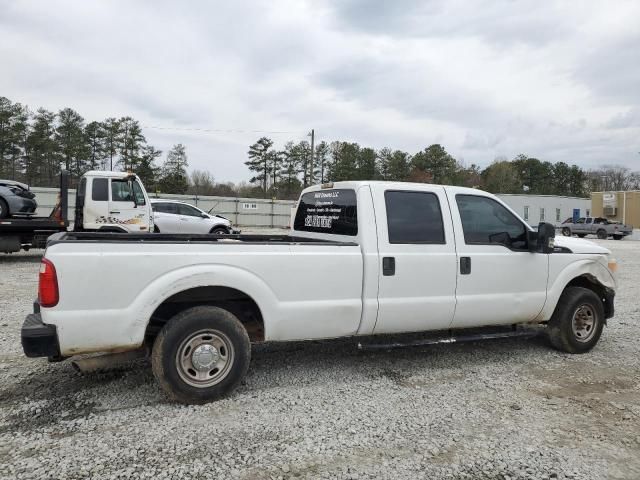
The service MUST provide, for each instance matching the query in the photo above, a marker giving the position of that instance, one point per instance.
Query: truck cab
(112, 202)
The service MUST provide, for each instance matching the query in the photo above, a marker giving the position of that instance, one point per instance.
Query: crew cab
(361, 259)
(598, 226)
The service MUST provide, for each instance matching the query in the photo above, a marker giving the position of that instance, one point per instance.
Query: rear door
(499, 280)
(417, 259)
(166, 218)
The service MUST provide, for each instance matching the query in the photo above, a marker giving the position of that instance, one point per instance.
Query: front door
(191, 220)
(123, 210)
(417, 259)
(499, 281)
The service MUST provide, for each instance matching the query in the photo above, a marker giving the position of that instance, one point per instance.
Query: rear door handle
(465, 265)
(388, 266)
(113, 212)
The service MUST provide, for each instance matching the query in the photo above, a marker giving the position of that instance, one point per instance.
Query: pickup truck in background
(361, 259)
(598, 226)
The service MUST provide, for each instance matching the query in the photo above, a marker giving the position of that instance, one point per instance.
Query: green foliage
(173, 178)
(261, 161)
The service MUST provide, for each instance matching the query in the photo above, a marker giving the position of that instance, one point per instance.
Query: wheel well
(235, 301)
(591, 283)
(217, 227)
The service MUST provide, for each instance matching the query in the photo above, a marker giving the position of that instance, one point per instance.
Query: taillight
(48, 295)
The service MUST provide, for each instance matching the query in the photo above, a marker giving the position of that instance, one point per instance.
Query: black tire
(156, 229)
(4, 209)
(560, 329)
(566, 231)
(219, 231)
(617, 237)
(602, 234)
(173, 348)
(582, 235)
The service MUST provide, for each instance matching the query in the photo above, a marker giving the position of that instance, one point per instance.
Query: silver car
(16, 199)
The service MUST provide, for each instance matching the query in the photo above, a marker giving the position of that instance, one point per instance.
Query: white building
(547, 208)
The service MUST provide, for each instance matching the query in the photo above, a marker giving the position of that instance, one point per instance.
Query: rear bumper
(39, 339)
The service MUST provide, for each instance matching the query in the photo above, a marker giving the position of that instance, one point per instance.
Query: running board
(525, 333)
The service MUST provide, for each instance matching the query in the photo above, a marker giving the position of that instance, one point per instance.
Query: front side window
(121, 191)
(580, 220)
(188, 210)
(328, 211)
(414, 217)
(486, 221)
(139, 194)
(100, 190)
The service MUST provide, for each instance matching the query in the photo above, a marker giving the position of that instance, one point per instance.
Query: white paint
(318, 291)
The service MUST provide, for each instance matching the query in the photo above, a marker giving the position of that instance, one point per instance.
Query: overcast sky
(556, 80)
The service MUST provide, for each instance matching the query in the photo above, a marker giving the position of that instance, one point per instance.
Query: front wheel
(577, 322)
(219, 231)
(566, 231)
(201, 355)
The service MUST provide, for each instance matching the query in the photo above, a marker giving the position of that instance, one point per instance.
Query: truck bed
(171, 238)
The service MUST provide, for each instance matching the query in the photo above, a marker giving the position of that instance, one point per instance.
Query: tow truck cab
(112, 202)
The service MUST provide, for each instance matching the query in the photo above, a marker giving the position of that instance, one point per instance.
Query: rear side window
(414, 217)
(100, 190)
(164, 207)
(328, 211)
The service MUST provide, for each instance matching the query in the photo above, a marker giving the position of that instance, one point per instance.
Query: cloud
(488, 78)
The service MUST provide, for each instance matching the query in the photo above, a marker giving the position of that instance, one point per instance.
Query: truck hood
(579, 245)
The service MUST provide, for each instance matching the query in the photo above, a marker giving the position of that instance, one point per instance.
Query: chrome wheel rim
(205, 358)
(584, 323)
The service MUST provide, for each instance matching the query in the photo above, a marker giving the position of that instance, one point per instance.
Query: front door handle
(113, 212)
(465, 265)
(388, 266)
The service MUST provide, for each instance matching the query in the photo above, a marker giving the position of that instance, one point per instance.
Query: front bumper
(22, 206)
(39, 339)
(609, 309)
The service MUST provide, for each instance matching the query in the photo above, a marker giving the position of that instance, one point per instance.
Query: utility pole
(312, 155)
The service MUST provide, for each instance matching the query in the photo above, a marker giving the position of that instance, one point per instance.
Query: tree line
(284, 173)
(36, 145)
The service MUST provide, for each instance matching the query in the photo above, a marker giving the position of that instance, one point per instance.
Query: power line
(220, 130)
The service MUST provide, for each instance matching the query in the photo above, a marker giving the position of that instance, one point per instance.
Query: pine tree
(111, 128)
(147, 169)
(69, 135)
(174, 171)
(322, 159)
(260, 161)
(44, 149)
(131, 141)
(94, 139)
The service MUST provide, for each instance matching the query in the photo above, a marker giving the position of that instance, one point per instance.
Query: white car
(171, 216)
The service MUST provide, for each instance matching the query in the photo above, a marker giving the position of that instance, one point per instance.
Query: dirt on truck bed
(485, 410)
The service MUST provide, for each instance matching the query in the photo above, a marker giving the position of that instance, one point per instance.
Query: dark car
(16, 199)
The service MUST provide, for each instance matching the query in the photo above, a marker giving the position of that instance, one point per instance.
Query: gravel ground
(506, 409)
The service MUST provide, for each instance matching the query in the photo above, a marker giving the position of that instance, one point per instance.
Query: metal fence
(243, 212)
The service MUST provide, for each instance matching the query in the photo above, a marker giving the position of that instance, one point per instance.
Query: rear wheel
(201, 354)
(156, 229)
(602, 234)
(566, 231)
(4, 209)
(577, 322)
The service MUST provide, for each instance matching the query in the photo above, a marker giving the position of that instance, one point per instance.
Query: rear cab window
(332, 212)
(414, 217)
(100, 190)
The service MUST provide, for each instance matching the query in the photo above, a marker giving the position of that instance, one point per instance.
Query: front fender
(561, 275)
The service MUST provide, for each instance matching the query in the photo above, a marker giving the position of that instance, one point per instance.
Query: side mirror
(204, 215)
(545, 238)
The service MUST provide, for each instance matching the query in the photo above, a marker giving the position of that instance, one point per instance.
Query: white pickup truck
(362, 258)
